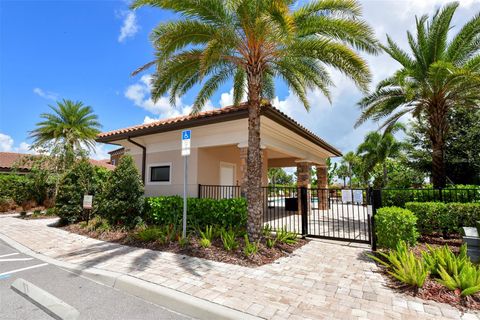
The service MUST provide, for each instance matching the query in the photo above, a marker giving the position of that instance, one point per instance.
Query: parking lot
(90, 299)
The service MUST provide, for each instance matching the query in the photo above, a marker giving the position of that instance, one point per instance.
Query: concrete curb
(169, 298)
(53, 306)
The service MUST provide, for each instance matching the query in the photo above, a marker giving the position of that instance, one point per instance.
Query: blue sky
(86, 50)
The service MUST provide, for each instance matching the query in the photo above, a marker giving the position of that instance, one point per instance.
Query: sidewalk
(321, 280)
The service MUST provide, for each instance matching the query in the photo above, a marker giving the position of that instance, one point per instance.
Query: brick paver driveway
(321, 280)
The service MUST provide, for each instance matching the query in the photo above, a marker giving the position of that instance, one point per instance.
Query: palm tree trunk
(254, 160)
(438, 165)
(438, 129)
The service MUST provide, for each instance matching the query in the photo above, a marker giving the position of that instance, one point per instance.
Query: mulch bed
(433, 290)
(215, 252)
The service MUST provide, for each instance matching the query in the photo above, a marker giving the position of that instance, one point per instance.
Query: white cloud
(139, 94)
(100, 151)
(7, 145)
(46, 94)
(129, 27)
(6, 142)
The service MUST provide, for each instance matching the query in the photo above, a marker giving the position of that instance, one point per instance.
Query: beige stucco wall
(175, 160)
(209, 160)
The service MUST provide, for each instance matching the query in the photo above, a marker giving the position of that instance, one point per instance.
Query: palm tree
(376, 149)
(255, 42)
(69, 127)
(350, 160)
(437, 76)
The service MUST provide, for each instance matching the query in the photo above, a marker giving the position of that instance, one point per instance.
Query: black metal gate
(322, 213)
(339, 214)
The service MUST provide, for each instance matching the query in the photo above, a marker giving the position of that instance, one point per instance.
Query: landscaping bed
(194, 248)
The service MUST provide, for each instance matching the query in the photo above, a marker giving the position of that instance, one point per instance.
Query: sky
(86, 50)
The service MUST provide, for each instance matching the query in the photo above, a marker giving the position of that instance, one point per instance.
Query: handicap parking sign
(186, 134)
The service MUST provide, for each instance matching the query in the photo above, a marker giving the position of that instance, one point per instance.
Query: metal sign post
(186, 135)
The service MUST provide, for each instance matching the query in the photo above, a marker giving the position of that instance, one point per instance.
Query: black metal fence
(323, 213)
(398, 197)
(334, 213)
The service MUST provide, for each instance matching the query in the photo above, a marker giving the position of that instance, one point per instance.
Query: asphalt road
(92, 300)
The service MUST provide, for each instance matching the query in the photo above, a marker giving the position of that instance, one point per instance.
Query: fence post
(199, 191)
(304, 210)
(376, 204)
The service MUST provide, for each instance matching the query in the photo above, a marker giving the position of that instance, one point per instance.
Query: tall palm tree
(376, 149)
(70, 126)
(436, 76)
(350, 160)
(254, 42)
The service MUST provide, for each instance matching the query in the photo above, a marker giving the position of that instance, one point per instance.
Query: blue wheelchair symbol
(186, 134)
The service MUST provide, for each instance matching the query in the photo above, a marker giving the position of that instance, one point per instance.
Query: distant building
(115, 155)
(11, 160)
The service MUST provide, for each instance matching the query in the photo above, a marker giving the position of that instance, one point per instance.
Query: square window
(160, 174)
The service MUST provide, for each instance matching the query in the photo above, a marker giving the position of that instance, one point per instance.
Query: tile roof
(159, 123)
(177, 122)
(9, 159)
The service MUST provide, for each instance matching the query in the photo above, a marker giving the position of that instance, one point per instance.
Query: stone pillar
(243, 169)
(304, 180)
(322, 182)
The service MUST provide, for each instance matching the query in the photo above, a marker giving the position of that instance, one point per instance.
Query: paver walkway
(321, 280)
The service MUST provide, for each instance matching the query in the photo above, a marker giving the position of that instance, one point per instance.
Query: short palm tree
(254, 42)
(376, 149)
(438, 75)
(71, 125)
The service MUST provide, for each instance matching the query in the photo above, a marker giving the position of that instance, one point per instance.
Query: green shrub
(201, 212)
(97, 224)
(205, 243)
(287, 237)
(250, 248)
(76, 183)
(150, 234)
(229, 239)
(465, 278)
(444, 258)
(444, 218)
(6, 203)
(402, 264)
(121, 200)
(393, 224)
(208, 234)
(16, 187)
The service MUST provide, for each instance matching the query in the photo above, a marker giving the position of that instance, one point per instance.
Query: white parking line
(23, 269)
(18, 259)
(8, 255)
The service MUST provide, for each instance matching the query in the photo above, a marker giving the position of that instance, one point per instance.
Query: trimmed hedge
(444, 218)
(458, 194)
(393, 224)
(200, 212)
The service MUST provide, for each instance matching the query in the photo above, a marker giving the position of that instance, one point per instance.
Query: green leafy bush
(16, 187)
(150, 234)
(402, 264)
(76, 183)
(229, 239)
(208, 234)
(250, 248)
(444, 258)
(287, 237)
(393, 224)
(6, 203)
(201, 212)
(444, 218)
(121, 200)
(465, 278)
(205, 243)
